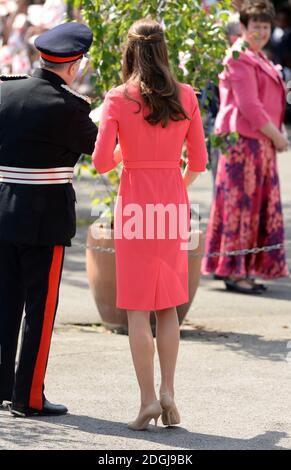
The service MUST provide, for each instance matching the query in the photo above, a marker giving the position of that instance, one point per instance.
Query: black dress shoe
(49, 409)
(233, 285)
(260, 286)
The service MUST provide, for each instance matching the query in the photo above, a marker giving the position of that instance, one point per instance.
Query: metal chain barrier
(242, 252)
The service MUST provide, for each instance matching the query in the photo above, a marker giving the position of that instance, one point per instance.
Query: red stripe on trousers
(35, 399)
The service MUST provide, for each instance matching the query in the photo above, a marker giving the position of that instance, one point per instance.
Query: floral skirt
(246, 212)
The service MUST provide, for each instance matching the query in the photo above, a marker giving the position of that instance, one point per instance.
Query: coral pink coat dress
(151, 265)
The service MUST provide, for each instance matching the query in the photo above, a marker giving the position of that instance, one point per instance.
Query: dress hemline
(153, 308)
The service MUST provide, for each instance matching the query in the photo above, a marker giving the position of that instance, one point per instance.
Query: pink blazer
(252, 92)
(143, 144)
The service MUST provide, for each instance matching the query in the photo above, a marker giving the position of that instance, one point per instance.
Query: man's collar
(49, 76)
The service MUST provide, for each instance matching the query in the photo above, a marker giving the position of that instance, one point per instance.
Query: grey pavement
(233, 373)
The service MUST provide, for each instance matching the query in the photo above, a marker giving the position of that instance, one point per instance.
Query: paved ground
(233, 376)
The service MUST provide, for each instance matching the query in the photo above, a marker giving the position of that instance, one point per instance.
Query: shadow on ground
(279, 289)
(61, 430)
(241, 343)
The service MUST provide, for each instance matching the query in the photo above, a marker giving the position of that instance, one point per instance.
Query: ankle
(147, 401)
(167, 391)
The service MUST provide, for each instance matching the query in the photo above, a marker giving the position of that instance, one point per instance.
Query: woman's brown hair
(146, 62)
(258, 10)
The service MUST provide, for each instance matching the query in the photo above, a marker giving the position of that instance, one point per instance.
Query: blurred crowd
(22, 20)
(280, 44)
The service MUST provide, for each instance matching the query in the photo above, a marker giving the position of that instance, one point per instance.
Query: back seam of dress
(157, 284)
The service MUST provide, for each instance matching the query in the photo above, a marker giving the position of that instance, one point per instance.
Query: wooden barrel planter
(102, 279)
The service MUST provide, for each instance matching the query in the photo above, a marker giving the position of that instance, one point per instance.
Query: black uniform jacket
(42, 125)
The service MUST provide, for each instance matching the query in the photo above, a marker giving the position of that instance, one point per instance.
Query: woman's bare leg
(168, 339)
(142, 350)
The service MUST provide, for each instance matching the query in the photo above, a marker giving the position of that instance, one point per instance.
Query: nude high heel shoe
(152, 411)
(170, 413)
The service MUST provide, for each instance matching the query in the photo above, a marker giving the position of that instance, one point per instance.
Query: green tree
(196, 41)
(189, 30)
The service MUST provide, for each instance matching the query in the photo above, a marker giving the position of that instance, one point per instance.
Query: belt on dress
(11, 174)
(151, 164)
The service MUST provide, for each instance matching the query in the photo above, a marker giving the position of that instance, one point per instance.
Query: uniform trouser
(29, 279)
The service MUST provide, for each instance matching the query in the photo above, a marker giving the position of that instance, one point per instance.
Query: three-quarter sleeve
(103, 155)
(246, 93)
(195, 139)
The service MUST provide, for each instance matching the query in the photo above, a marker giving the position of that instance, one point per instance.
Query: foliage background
(189, 30)
(196, 41)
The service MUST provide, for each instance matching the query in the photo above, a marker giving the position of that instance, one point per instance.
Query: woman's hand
(284, 131)
(281, 143)
(189, 176)
(278, 138)
(117, 154)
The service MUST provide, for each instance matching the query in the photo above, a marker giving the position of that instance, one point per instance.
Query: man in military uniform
(44, 127)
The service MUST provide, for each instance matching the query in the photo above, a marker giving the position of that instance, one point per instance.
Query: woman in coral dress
(152, 115)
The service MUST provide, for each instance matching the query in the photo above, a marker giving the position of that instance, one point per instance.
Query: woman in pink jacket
(152, 115)
(247, 211)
